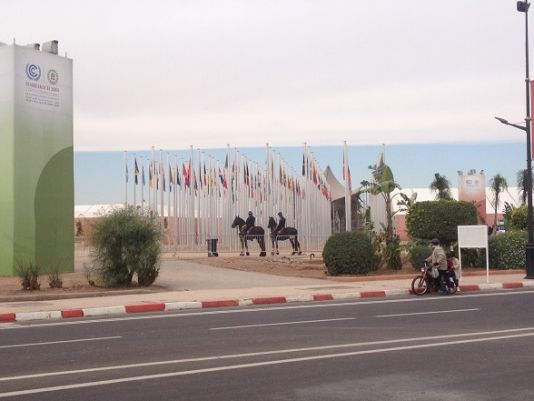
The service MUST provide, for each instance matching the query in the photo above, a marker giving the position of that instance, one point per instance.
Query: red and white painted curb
(174, 306)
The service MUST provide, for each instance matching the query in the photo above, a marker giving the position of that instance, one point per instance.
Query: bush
(418, 254)
(29, 276)
(507, 250)
(54, 277)
(126, 243)
(518, 219)
(439, 219)
(349, 253)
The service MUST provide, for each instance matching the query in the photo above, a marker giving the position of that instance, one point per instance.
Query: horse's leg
(261, 241)
(242, 246)
(297, 243)
(293, 245)
(272, 243)
(246, 246)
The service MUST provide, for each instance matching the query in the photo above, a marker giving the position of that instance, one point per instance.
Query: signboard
(36, 159)
(473, 237)
(472, 189)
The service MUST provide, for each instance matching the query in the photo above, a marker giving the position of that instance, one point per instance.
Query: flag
(171, 179)
(143, 174)
(126, 171)
(136, 171)
(178, 176)
(151, 175)
(303, 164)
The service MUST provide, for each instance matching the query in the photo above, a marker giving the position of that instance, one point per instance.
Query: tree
(498, 185)
(439, 219)
(384, 184)
(442, 186)
(522, 185)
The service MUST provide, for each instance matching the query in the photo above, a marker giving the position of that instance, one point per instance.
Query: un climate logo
(33, 71)
(52, 76)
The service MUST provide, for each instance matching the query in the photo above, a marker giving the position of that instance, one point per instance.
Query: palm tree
(522, 185)
(498, 185)
(442, 185)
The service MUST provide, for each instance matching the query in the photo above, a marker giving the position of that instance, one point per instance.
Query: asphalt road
(464, 347)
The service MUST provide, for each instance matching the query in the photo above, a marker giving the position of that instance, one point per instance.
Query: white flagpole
(125, 179)
(348, 209)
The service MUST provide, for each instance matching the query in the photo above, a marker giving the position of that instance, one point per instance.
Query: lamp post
(523, 6)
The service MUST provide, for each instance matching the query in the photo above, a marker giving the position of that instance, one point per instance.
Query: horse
(255, 233)
(285, 233)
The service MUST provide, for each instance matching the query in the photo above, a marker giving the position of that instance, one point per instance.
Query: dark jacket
(281, 224)
(251, 221)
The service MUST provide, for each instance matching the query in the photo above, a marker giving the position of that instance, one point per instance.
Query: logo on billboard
(52, 76)
(33, 72)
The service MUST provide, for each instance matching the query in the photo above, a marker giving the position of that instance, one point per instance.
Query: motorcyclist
(438, 258)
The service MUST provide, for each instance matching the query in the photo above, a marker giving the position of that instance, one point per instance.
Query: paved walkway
(192, 285)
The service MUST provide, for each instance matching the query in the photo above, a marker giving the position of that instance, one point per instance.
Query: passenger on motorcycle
(439, 259)
(452, 265)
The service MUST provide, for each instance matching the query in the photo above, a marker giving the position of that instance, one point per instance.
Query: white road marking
(429, 313)
(265, 353)
(246, 326)
(255, 364)
(326, 304)
(59, 342)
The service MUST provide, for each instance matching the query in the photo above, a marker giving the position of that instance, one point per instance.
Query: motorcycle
(428, 281)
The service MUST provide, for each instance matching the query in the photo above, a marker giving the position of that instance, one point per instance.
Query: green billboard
(36, 160)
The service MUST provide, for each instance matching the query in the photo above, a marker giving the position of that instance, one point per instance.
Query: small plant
(126, 243)
(54, 277)
(349, 253)
(29, 276)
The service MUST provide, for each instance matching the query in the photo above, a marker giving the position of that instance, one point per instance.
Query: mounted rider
(251, 222)
(281, 224)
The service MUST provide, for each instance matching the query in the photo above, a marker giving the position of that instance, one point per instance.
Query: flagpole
(348, 209)
(125, 179)
(135, 182)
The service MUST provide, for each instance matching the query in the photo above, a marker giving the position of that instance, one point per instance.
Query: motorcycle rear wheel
(419, 285)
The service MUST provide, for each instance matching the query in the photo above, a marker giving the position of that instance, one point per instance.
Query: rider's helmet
(434, 241)
(280, 214)
(250, 213)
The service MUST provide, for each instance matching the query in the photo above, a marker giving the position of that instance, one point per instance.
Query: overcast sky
(207, 73)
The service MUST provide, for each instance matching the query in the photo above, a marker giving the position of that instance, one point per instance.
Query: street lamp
(523, 6)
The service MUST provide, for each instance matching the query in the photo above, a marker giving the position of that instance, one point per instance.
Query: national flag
(136, 171)
(143, 174)
(171, 179)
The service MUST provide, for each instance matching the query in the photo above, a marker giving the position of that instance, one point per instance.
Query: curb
(175, 306)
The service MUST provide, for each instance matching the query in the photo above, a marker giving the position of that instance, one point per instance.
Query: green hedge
(439, 219)
(349, 253)
(418, 254)
(518, 220)
(507, 250)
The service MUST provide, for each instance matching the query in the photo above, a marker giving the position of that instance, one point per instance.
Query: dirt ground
(292, 266)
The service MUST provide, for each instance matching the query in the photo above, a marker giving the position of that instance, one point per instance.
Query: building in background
(36, 158)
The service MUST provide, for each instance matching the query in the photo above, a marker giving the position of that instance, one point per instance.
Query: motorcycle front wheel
(419, 285)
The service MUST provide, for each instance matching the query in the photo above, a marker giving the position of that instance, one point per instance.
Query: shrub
(54, 277)
(439, 219)
(126, 243)
(518, 219)
(29, 276)
(418, 253)
(348, 253)
(507, 250)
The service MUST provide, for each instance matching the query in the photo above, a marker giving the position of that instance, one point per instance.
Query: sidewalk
(192, 286)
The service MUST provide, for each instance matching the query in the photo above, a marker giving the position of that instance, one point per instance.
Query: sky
(175, 73)
(99, 176)
(419, 76)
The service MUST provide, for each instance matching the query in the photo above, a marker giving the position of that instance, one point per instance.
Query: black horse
(285, 233)
(255, 233)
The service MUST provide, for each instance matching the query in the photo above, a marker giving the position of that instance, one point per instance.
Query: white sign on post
(473, 237)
